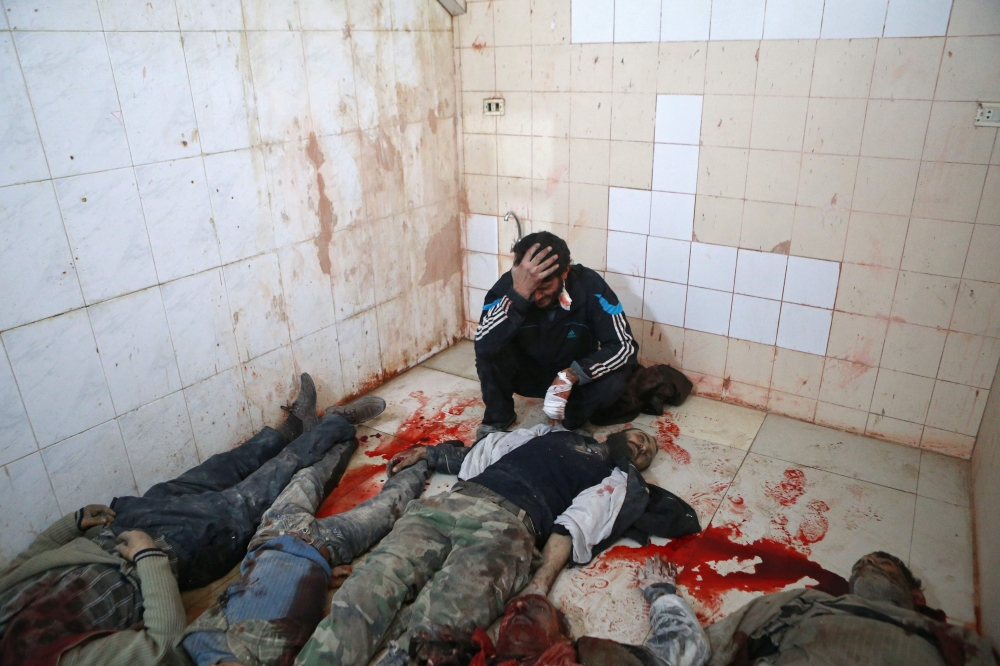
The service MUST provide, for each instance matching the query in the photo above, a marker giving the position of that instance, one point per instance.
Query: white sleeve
(591, 516)
(495, 446)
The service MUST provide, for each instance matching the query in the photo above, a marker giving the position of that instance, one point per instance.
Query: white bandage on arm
(556, 397)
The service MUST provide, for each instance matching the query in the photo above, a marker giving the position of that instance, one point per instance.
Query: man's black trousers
(512, 371)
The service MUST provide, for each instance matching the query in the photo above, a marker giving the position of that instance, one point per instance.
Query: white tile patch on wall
(760, 274)
(708, 310)
(663, 302)
(606, 21)
(678, 119)
(804, 328)
(675, 168)
(671, 215)
(481, 234)
(629, 210)
(627, 253)
(667, 259)
(754, 319)
(712, 266)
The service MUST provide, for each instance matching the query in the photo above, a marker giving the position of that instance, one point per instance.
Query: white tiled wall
(625, 21)
(198, 201)
(822, 152)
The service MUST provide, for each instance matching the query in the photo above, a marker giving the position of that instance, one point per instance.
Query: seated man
(882, 621)
(533, 632)
(77, 598)
(545, 317)
(460, 555)
(266, 617)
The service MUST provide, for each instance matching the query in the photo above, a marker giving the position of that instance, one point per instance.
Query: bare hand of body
(657, 570)
(96, 514)
(405, 459)
(536, 265)
(132, 542)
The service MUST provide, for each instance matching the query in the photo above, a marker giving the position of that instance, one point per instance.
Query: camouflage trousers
(457, 558)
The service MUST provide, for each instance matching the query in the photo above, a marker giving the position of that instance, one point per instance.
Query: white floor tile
(941, 556)
(712, 421)
(459, 359)
(944, 478)
(858, 457)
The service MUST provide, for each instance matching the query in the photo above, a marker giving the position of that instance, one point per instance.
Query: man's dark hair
(617, 443)
(911, 580)
(544, 239)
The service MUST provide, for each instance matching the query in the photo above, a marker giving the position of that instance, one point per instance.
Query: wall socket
(493, 106)
(988, 115)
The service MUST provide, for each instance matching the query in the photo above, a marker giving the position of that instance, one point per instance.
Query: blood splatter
(427, 425)
(667, 430)
(789, 490)
(814, 523)
(782, 564)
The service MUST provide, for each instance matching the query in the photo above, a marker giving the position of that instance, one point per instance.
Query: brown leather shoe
(360, 410)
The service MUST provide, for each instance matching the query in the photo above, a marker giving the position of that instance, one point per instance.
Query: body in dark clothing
(520, 348)
(544, 477)
(208, 514)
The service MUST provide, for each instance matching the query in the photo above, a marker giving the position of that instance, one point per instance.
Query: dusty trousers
(209, 513)
(457, 558)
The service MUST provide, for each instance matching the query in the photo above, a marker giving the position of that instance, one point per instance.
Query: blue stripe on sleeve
(490, 305)
(610, 309)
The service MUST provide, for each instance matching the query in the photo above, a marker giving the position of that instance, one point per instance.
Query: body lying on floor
(102, 586)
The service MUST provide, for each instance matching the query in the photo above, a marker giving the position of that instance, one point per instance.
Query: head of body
(530, 626)
(880, 576)
(635, 445)
(546, 294)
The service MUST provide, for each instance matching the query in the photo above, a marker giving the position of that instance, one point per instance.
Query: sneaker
(360, 410)
(304, 406)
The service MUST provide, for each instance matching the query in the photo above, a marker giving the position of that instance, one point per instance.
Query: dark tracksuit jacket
(593, 337)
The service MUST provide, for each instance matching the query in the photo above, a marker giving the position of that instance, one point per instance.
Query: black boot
(360, 410)
(304, 406)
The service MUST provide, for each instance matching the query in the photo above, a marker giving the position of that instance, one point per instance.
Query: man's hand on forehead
(536, 266)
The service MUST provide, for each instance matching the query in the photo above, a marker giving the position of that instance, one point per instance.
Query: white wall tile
(270, 381)
(475, 301)
(637, 20)
(675, 168)
(219, 414)
(56, 362)
(374, 73)
(21, 156)
(136, 350)
(917, 18)
(330, 72)
(159, 441)
(671, 215)
(309, 297)
(219, 69)
(481, 234)
(200, 325)
(667, 259)
(69, 72)
(483, 270)
(760, 274)
(107, 232)
(37, 276)
(237, 190)
(215, 15)
(279, 79)
(138, 15)
(754, 319)
(178, 217)
(29, 505)
(793, 19)
(664, 302)
(257, 304)
(323, 15)
(89, 468)
(712, 266)
(291, 179)
(273, 15)
(626, 253)
(708, 310)
(629, 290)
(678, 119)
(812, 282)
(737, 19)
(628, 210)
(65, 15)
(153, 88)
(18, 439)
(592, 21)
(359, 350)
(804, 329)
(852, 19)
(319, 355)
(685, 20)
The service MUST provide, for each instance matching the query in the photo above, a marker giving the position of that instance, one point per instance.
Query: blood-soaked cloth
(649, 390)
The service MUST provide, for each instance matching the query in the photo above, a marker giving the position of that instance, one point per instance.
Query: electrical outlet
(988, 115)
(493, 106)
